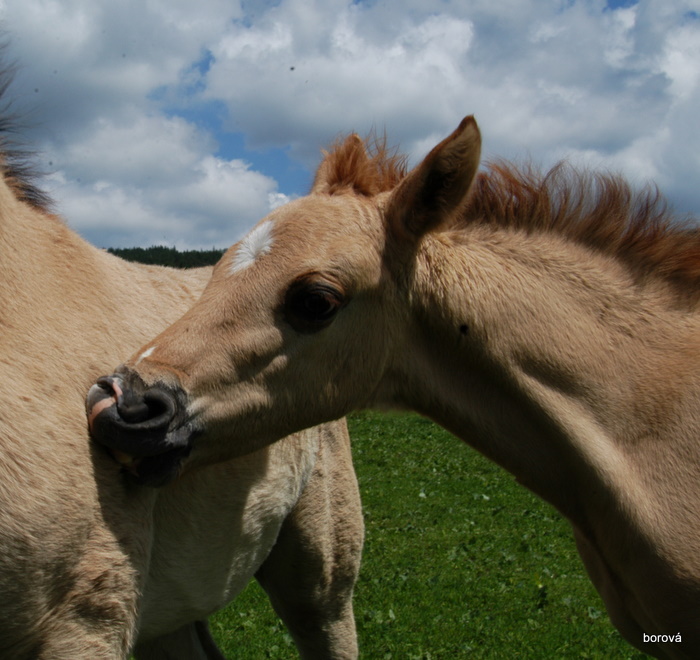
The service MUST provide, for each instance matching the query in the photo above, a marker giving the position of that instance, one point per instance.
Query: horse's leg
(191, 642)
(311, 572)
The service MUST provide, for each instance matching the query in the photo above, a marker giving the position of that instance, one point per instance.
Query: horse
(549, 320)
(97, 560)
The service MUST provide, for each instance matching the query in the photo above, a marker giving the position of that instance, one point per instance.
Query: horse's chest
(215, 529)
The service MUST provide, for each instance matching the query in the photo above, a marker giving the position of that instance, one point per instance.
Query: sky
(181, 123)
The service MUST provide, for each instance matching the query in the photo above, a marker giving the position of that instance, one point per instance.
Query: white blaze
(256, 243)
(147, 353)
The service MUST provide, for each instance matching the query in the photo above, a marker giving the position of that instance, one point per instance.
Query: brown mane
(598, 210)
(367, 167)
(16, 164)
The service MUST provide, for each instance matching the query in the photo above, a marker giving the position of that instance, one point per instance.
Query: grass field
(459, 562)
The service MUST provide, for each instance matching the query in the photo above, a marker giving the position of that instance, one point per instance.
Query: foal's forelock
(367, 167)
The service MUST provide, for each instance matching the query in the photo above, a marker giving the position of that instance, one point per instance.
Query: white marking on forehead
(147, 353)
(255, 244)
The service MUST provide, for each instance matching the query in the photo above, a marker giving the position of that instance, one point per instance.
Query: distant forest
(159, 255)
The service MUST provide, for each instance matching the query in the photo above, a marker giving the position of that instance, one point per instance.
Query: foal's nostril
(133, 412)
(154, 409)
(109, 386)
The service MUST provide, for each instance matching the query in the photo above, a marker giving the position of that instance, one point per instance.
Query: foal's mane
(598, 210)
(16, 164)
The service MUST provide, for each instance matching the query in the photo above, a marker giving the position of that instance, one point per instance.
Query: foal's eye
(311, 305)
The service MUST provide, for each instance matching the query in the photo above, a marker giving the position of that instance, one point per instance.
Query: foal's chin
(152, 471)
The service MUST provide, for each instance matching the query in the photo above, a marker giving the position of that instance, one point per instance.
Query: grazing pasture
(459, 562)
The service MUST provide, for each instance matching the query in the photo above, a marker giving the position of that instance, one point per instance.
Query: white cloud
(542, 78)
(124, 172)
(137, 148)
(154, 180)
(680, 59)
(336, 77)
(116, 90)
(214, 209)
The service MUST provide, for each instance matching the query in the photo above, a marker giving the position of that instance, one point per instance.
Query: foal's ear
(434, 190)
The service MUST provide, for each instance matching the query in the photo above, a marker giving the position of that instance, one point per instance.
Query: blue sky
(180, 123)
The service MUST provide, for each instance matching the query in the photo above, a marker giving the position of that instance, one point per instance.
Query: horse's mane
(598, 210)
(16, 161)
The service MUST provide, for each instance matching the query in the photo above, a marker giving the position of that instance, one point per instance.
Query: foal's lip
(131, 463)
(99, 398)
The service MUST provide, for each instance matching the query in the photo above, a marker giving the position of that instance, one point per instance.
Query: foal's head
(300, 321)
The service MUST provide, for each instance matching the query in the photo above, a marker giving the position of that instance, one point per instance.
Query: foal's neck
(547, 358)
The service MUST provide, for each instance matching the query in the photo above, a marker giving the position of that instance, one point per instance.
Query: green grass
(459, 562)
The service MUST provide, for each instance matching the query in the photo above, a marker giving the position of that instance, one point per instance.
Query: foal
(550, 322)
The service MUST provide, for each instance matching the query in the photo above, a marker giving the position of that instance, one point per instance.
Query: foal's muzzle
(144, 428)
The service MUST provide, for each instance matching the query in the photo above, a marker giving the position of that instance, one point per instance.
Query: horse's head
(300, 323)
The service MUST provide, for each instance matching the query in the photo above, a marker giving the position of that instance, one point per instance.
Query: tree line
(160, 255)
